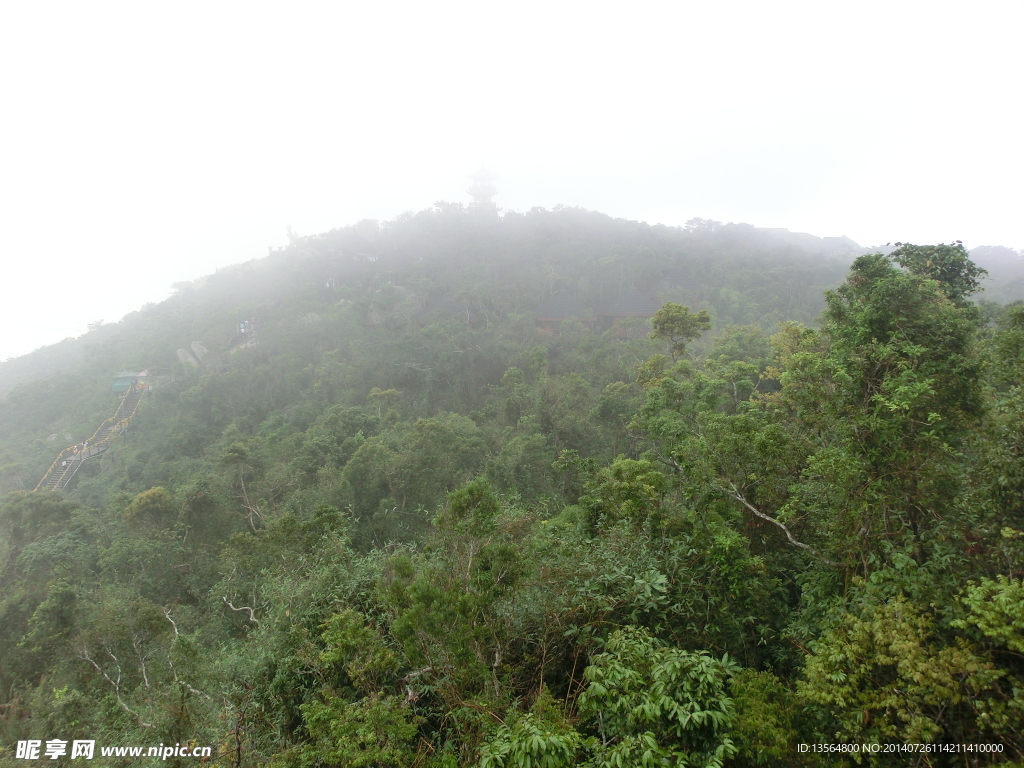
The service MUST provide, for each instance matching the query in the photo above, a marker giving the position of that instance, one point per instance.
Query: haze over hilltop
(176, 165)
(767, 249)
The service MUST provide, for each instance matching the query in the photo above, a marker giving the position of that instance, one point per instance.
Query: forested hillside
(383, 506)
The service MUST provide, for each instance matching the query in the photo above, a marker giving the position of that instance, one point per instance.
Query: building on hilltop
(560, 307)
(482, 190)
(631, 304)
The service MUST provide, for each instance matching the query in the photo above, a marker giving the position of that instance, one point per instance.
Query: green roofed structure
(124, 380)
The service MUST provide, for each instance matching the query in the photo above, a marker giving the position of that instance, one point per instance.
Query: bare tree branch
(252, 613)
(735, 493)
(137, 645)
(182, 683)
(254, 509)
(116, 685)
(167, 614)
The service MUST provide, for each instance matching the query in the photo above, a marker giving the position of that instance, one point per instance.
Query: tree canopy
(396, 523)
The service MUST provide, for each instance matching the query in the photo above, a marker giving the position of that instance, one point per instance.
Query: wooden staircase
(71, 459)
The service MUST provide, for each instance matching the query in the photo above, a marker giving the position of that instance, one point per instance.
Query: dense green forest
(396, 523)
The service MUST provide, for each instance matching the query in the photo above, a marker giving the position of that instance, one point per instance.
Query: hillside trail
(71, 459)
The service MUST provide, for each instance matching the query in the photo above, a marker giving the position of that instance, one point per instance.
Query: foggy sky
(146, 144)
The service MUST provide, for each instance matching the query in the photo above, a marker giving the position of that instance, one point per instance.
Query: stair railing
(64, 455)
(119, 422)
